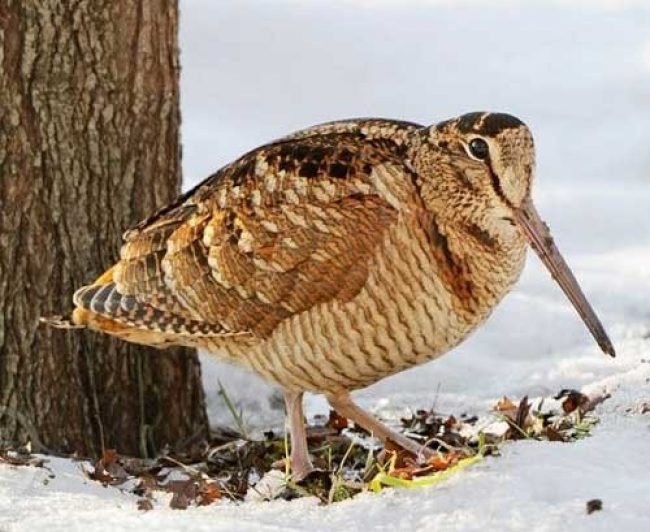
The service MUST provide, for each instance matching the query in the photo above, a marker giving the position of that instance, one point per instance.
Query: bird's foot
(343, 404)
(301, 467)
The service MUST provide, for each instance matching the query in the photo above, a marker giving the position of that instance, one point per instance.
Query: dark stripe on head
(488, 124)
(496, 184)
(469, 122)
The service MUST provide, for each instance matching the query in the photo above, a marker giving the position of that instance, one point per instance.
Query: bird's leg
(343, 404)
(300, 463)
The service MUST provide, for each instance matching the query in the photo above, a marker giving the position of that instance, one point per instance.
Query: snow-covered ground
(579, 74)
(533, 486)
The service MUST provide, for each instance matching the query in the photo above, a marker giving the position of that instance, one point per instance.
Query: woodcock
(337, 256)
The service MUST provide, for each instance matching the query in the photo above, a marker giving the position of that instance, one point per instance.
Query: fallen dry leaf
(405, 473)
(208, 493)
(505, 405)
(521, 422)
(108, 470)
(408, 469)
(518, 417)
(594, 505)
(573, 399)
(445, 461)
(336, 421)
(392, 452)
(450, 423)
(145, 505)
(184, 492)
(553, 434)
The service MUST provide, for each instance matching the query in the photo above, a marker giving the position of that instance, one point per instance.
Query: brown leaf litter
(230, 465)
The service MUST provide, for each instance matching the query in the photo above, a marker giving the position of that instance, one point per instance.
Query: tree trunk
(89, 144)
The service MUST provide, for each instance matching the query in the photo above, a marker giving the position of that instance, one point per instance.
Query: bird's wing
(286, 227)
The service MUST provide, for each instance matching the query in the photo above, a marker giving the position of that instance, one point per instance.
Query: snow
(532, 486)
(578, 73)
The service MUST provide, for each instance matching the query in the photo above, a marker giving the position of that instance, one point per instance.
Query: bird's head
(494, 152)
(481, 168)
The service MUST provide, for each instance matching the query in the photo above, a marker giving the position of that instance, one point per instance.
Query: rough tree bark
(89, 144)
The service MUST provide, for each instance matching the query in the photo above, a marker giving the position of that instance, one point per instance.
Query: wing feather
(288, 226)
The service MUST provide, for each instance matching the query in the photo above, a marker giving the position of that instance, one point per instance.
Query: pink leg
(300, 463)
(343, 404)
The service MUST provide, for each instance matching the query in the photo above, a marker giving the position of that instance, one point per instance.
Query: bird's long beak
(539, 237)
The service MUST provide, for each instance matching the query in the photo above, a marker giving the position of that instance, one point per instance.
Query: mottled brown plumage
(336, 256)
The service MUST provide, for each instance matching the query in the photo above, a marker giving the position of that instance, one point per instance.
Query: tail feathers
(106, 301)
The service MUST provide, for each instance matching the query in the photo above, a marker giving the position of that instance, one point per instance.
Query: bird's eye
(479, 148)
